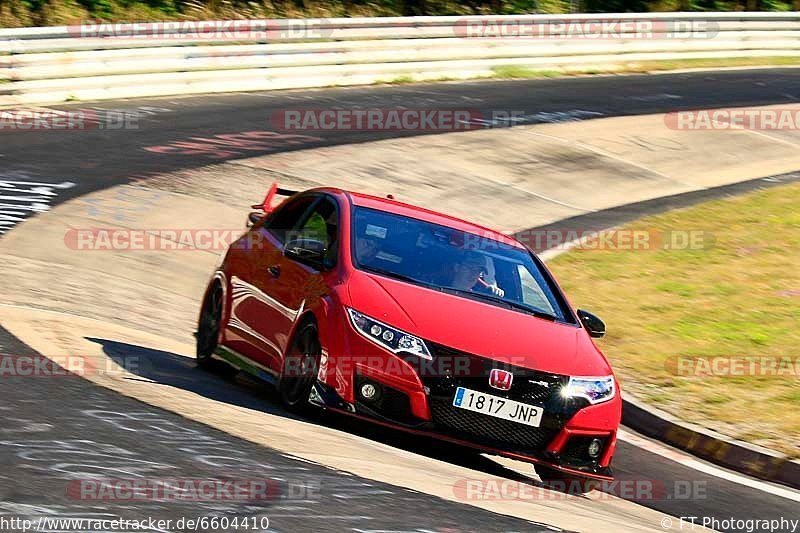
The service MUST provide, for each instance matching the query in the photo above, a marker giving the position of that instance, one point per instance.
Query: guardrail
(101, 61)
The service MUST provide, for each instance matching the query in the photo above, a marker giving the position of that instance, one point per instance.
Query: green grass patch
(650, 66)
(515, 72)
(736, 296)
(641, 67)
(399, 80)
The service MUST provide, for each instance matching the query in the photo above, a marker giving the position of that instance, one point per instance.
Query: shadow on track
(225, 384)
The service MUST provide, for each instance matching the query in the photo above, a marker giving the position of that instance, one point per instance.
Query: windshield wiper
(538, 313)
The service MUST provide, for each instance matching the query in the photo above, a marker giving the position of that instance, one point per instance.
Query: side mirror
(310, 252)
(253, 218)
(595, 326)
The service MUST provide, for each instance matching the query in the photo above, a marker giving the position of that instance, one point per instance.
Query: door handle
(274, 270)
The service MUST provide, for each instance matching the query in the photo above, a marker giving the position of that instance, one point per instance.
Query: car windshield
(454, 261)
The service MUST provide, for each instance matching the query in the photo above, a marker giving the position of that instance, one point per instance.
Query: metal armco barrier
(101, 61)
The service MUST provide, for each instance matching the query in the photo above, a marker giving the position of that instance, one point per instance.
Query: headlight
(393, 339)
(596, 390)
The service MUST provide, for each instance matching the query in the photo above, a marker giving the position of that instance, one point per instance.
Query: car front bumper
(417, 396)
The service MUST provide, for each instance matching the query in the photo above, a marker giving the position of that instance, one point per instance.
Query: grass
(509, 72)
(515, 72)
(737, 295)
(776, 61)
(401, 80)
(20, 13)
(16, 13)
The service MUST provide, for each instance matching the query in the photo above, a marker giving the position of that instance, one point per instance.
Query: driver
(469, 274)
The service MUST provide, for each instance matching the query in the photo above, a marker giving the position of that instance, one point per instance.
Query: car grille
(529, 386)
(498, 433)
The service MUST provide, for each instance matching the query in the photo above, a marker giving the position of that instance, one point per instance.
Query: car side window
(287, 217)
(322, 224)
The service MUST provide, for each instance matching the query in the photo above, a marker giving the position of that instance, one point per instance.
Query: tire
(299, 372)
(208, 326)
(563, 482)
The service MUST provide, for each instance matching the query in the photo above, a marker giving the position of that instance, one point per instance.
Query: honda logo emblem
(500, 379)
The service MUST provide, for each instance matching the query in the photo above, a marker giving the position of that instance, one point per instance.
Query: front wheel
(209, 325)
(563, 482)
(300, 368)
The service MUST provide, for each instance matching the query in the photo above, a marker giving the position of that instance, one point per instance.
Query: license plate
(498, 407)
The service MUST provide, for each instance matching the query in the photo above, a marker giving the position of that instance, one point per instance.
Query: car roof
(390, 205)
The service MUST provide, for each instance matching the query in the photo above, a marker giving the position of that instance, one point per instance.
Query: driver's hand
(497, 291)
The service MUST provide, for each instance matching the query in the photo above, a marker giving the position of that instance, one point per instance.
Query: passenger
(367, 247)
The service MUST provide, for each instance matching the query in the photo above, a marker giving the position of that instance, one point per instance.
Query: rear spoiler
(274, 190)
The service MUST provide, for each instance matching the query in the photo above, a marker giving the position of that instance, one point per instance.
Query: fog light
(595, 447)
(369, 391)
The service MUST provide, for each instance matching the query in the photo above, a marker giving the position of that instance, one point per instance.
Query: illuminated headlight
(596, 390)
(393, 339)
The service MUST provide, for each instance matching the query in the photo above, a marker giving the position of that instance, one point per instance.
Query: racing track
(97, 159)
(94, 431)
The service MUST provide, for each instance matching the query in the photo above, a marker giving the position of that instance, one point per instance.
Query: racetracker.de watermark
(638, 240)
(191, 489)
(170, 240)
(584, 28)
(70, 120)
(411, 367)
(732, 366)
(493, 489)
(395, 119)
(220, 239)
(741, 118)
(118, 525)
(40, 366)
(207, 30)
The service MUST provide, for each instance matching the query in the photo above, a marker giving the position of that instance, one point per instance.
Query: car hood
(476, 327)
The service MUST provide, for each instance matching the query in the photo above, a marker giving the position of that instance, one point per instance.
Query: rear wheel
(300, 367)
(208, 326)
(563, 482)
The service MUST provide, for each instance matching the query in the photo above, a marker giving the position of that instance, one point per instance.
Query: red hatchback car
(417, 320)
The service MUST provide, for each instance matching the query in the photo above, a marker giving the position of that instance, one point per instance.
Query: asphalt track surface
(57, 436)
(99, 158)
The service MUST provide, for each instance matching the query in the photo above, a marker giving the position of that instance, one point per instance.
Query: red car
(416, 320)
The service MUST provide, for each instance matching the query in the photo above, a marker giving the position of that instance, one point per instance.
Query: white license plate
(498, 407)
